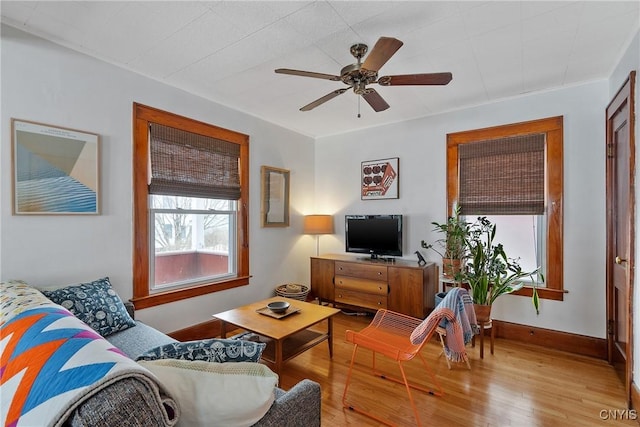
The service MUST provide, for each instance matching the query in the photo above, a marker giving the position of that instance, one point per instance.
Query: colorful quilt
(17, 296)
(50, 362)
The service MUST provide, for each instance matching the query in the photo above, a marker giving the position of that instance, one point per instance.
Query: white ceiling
(226, 51)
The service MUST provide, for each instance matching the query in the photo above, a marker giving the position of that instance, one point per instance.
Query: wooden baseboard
(635, 397)
(209, 329)
(564, 341)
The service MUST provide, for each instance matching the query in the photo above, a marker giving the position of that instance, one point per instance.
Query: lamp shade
(318, 224)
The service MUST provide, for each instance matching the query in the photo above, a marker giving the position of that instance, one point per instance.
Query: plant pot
(483, 312)
(450, 267)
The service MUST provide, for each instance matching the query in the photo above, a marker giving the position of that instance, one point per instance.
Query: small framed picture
(379, 179)
(55, 170)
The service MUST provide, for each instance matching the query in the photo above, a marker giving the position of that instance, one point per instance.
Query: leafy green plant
(489, 272)
(453, 244)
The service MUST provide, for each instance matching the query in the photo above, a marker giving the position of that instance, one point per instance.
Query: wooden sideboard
(398, 285)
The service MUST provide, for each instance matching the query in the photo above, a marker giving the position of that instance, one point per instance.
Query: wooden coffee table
(286, 337)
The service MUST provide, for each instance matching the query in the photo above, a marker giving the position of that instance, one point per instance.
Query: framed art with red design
(379, 179)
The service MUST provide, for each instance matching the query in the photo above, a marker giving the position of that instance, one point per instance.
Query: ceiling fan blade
(324, 99)
(307, 74)
(383, 50)
(416, 79)
(375, 100)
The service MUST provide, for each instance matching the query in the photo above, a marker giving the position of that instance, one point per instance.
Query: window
(523, 236)
(480, 165)
(192, 239)
(190, 208)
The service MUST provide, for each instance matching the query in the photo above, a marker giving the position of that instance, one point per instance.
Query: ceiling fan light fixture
(360, 74)
(360, 88)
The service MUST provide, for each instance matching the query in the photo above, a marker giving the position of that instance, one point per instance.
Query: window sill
(160, 298)
(543, 293)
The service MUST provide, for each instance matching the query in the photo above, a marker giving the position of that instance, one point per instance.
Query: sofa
(134, 395)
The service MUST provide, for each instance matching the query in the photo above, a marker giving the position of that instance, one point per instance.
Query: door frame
(624, 96)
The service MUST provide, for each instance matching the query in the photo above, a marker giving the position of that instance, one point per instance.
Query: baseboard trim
(564, 341)
(635, 397)
(204, 330)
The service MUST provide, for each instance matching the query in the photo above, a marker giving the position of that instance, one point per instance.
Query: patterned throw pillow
(210, 350)
(96, 304)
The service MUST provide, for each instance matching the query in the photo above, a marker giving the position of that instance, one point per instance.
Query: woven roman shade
(502, 176)
(191, 165)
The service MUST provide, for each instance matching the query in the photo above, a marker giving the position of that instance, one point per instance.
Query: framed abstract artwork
(55, 170)
(275, 197)
(379, 179)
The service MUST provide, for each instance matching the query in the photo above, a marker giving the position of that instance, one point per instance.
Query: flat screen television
(377, 235)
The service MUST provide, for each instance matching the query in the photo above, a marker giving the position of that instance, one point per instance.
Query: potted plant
(489, 272)
(452, 247)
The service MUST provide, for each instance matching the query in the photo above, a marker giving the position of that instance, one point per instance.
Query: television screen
(374, 234)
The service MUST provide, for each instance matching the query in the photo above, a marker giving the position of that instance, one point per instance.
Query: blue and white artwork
(55, 170)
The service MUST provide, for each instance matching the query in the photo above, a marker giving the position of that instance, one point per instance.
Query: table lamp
(318, 224)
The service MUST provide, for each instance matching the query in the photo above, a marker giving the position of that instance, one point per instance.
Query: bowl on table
(278, 306)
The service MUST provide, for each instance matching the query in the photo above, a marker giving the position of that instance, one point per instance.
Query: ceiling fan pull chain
(359, 105)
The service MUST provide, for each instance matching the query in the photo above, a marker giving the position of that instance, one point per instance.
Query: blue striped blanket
(459, 301)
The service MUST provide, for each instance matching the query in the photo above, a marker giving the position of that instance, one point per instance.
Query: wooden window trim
(142, 116)
(553, 128)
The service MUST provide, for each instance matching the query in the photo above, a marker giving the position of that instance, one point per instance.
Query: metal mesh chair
(400, 338)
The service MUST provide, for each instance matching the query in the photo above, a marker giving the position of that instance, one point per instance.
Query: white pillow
(216, 394)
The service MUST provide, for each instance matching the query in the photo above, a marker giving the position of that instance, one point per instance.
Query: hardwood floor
(520, 385)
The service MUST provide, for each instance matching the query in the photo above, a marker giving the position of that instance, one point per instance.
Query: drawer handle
(379, 273)
(379, 303)
(380, 287)
(339, 295)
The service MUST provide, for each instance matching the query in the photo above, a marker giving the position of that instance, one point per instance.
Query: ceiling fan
(360, 74)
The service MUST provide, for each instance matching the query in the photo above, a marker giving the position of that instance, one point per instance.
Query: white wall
(47, 83)
(51, 84)
(421, 147)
